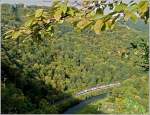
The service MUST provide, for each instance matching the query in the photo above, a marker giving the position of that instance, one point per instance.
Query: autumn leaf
(28, 23)
(130, 15)
(98, 26)
(16, 34)
(83, 24)
(143, 6)
(109, 24)
(38, 13)
(57, 15)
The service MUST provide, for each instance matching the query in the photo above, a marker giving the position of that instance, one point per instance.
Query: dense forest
(41, 73)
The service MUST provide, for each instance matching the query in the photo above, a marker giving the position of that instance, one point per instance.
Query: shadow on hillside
(40, 97)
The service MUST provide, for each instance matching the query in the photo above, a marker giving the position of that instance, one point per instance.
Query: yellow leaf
(109, 24)
(83, 24)
(16, 34)
(57, 15)
(127, 15)
(63, 7)
(131, 15)
(98, 26)
(143, 6)
(28, 23)
(39, 13)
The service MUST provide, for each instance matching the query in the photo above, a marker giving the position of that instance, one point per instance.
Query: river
(75, 109)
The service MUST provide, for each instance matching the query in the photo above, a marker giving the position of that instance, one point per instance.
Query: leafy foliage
(42, 22)
(130, 98)
(46, 61)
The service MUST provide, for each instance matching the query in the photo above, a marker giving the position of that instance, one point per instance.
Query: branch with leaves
(91, 15)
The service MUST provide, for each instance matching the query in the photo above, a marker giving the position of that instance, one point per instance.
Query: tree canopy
(55, 52)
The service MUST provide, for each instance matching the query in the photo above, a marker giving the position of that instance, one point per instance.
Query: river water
(75, 109)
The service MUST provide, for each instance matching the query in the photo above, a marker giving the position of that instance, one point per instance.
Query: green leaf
(16, 34)
(91, 14)
(120, 7)
(111, 6)
(38, 13)
(99, 11)
(8, 36)
(97, 17)
(8, 32)
(103, 27)
(133, 17)
(49, 28)
(28, 23)
(70, 11)
(133, 7)
(63, 7)
(143, 6)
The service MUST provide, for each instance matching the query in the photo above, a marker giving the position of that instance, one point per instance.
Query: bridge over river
(97, 88)
(92, 89)
(75, 109)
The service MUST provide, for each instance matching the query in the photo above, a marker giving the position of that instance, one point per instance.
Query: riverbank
(89, 95)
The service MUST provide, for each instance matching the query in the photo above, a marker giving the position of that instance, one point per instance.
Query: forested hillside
(44, 76)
